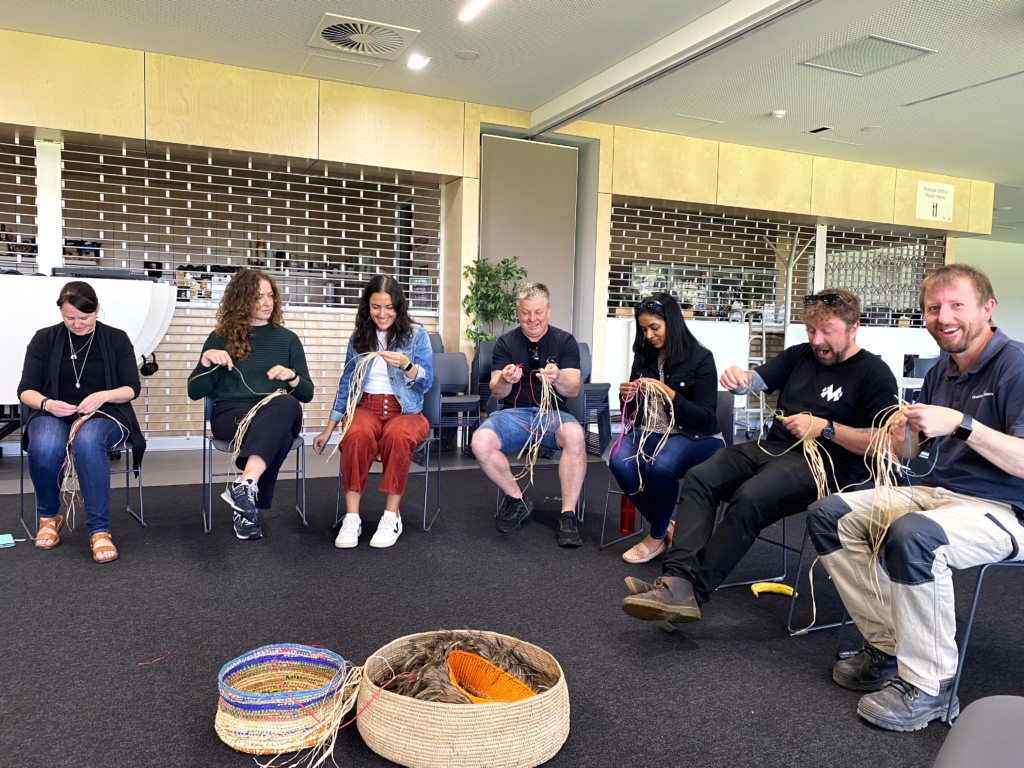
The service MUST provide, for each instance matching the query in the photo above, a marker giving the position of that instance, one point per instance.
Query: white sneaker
(388, 530)
(348, 536)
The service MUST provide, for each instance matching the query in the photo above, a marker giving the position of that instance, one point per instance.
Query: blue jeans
(47, 449)
(511, 425)
(661, 476)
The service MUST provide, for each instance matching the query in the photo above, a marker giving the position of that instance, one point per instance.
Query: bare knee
(570, 438)
(485, 443)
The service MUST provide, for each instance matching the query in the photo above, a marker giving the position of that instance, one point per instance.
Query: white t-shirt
(377, 381)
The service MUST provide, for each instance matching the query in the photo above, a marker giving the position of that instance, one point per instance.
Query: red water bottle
(627, 515)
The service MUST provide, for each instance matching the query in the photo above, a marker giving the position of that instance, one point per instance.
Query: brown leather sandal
(47, 537)
(98, 547)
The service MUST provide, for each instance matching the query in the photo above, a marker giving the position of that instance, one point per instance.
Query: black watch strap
(964, 430)
(829, 431)
(408, 367)
(42, 405)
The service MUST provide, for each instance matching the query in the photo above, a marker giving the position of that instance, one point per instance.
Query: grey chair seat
(459, 400)
(224, 446)
(986, 735)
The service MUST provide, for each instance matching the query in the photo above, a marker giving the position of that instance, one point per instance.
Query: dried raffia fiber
(69, 486)
(427, 657)
(355, 393)
(538, 426)
(286, 698)
(648, 403)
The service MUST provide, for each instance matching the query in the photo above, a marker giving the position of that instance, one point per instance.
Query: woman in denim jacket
(388, 419)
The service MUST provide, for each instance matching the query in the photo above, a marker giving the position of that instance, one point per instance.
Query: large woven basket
(427, 734)
(282, 698)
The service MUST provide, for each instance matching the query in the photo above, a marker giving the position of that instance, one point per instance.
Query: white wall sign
(934, 201)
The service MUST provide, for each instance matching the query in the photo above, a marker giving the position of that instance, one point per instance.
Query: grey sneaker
(869, 670)
(512, 514)
(902, 706)
(242, 498)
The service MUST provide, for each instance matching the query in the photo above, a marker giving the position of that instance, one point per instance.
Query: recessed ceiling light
(468, 55)
(472, 9)
(417, 62)
(871, 128)
(1004, 208)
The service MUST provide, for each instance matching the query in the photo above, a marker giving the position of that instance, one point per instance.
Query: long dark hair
(80, 295)
(364, 338)
(679, 341)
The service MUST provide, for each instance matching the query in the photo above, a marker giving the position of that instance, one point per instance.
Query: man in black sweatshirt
(830, 390)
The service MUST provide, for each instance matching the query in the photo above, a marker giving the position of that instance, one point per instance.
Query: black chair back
(585, 362)
(452, 370)
(436, 344)
(432, 404)
(726, 403)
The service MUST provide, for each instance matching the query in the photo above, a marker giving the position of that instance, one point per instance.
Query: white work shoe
(348, 536)
(388, 530)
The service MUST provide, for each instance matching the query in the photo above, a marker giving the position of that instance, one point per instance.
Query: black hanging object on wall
(149, 367)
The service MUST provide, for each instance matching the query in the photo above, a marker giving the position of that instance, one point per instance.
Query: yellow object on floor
(771, 586)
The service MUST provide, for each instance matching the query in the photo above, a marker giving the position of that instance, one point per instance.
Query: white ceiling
(550, 57)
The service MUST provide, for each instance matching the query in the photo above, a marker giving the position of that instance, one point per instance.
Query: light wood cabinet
(661, 166)
(764, 179)
(213, 105)
(854, 191)
(982, 198)
(388, 129)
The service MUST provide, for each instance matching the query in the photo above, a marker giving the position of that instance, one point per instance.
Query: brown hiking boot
(670, 600)
(636, 586)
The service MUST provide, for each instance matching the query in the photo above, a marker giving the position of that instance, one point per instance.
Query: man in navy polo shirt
(966, 513)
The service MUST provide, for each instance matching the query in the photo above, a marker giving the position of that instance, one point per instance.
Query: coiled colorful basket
(283, 698)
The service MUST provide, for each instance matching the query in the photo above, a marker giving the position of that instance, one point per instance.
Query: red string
(389, 682)
(154, 661)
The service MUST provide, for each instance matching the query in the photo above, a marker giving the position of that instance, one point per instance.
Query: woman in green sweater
(248, 356)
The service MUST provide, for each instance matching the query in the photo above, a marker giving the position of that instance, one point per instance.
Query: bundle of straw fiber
(430, 734)
(285, 698)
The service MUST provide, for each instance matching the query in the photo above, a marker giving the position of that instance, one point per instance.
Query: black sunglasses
(649, 306)
(531, 347)
(828, 299)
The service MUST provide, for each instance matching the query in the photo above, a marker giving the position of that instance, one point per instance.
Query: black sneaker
(869, 670)
(568, 530)
(902, 706)
(512, 513)
(242, 498)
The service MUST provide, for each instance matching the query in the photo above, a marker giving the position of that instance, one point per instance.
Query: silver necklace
(74, 356)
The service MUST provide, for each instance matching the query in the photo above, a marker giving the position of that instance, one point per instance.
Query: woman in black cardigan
(668, 356)
(78, 368)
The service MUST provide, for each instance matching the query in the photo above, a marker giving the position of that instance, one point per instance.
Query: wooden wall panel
(72, 86)
(764, 179)
(476, 114)
(982, 198)
(388, 129)
(855, 191)
(663, 166)
(214, 105)
(604, 134)
(905, 211)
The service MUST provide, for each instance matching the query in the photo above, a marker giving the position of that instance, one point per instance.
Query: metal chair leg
(426, 484)
(785, 562)
(31, 536)
(963, 645)
(337, 507)
(604, 520)
(300, 476)
(796, 589)
(127, 491)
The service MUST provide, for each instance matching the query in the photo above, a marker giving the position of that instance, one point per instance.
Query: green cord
(778, 415)
(235, 369)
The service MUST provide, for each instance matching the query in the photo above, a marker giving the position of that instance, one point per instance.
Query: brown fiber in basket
(430, 734)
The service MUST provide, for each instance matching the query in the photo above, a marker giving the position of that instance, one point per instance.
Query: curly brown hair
(847, 309)
(234, 318)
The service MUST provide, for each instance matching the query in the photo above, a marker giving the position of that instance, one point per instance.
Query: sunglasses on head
(531, 348)
(647, 306)
(828, 299)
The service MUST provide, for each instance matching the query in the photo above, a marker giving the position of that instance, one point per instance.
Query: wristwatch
(42, 405)
(829, 431)
(408, 367)
(964, 430)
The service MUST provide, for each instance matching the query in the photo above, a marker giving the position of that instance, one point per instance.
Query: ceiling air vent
(867, 55)
(361, 37)
(820, 130)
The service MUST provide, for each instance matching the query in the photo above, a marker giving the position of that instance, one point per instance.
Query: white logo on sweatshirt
(830, 395)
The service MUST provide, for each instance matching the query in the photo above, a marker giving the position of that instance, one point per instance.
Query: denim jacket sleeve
(422, 356)
(341, 400)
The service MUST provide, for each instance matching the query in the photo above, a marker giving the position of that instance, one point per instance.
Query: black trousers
(760, 490)
(269, 436)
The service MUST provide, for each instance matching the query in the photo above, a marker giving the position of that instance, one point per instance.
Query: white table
(140, 308)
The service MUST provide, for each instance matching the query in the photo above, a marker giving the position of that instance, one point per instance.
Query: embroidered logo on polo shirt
(831, 395)
(983, 394)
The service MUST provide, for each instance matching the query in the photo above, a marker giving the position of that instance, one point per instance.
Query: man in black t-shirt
(521, 357)
(829, 390)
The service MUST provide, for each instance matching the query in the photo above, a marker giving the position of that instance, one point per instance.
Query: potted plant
(490, 299)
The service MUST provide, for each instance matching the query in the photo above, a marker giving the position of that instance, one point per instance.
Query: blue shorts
(512, 426)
